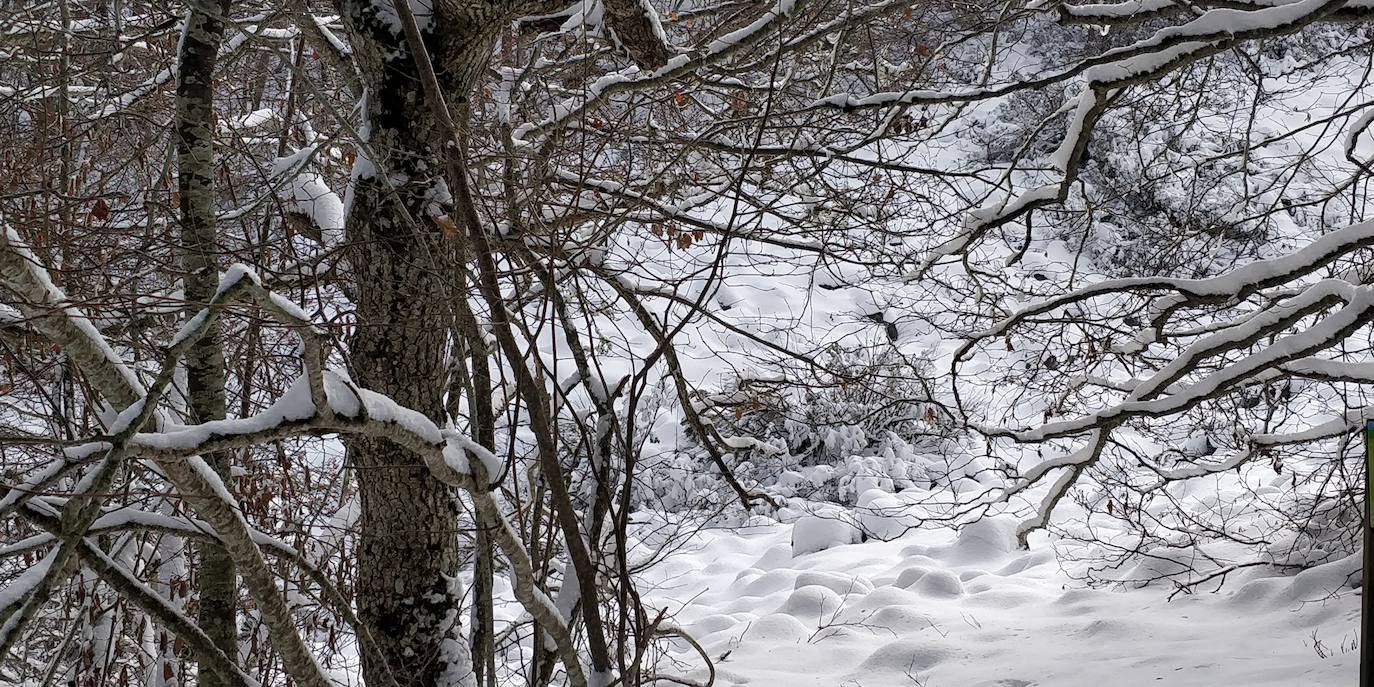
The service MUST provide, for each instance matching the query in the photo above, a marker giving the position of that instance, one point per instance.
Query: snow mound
(814, 533)
(910, 576)
(835, 582)
(811, 602)
(884, 515)
(1324, 581)
(990, 539)
(904, 655)
(780, 627)
(939, 584)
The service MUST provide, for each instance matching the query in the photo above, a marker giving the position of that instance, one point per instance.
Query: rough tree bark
(204, 363)
(404, 267)
(637, 28)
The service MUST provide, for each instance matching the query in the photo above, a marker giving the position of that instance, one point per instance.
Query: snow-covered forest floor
(944, 606)
(935, 609)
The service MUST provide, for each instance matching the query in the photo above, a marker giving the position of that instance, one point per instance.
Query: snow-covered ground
(939, 609)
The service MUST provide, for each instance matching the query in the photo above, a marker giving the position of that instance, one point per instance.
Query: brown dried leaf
(446, 225)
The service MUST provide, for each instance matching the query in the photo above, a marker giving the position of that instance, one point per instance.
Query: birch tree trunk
(204, 363)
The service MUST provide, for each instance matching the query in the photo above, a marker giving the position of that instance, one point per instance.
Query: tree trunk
(403, 268)
(205, 361)
(408, 545)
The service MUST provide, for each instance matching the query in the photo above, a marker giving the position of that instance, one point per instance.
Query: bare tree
(471, 244)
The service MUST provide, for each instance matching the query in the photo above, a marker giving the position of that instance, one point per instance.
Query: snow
(1333, 328)
(937, 607)
(288, 307)
(17, 591)
(1359, 126)
(231, 277)
(334, 41)
(814, 533)
(655, 22)
(1125, 62)
(293, 162)
(34, 482)
(188, 328)
(257, 119)
(126, 417)
(293, 405)
(54, 295)
(780, 9)
(212, 479)
(1118, 10)
(382, 409)
(585, 15)
(308, 194)
(459, 447)
(1234, 283)
(385, 11)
